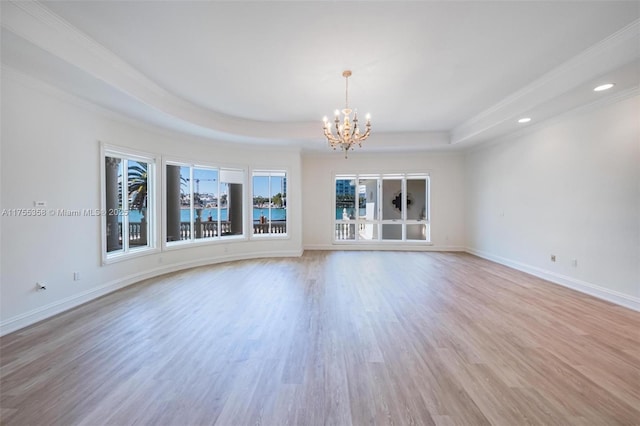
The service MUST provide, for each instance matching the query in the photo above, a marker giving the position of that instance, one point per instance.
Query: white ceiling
(432, 74)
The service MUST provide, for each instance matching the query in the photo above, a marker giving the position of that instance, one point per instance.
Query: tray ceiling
(434, 75)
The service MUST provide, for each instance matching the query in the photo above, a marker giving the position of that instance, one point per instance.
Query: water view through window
(128, 200)
(203, 202)
(382, 207)
(269, 202)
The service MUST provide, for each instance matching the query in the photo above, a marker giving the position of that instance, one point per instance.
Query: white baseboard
(28, 318)
(24, 320)
(382, 247)
(594, 290)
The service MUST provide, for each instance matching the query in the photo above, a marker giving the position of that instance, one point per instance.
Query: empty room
(320, 213)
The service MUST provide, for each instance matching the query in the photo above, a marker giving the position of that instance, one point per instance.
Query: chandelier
(348, 133)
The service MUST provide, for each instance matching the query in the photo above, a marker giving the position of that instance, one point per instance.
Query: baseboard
(591, 289)
(36, 315)
(29, 318)
(382, 247)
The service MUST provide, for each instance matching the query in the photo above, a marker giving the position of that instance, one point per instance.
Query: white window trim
(193, 242)
(107, 150)
(269, 236)
(380, 221)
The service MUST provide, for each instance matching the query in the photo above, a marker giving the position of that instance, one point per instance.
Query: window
(382, 207)
(269, 203)
(203, 203)
(128, 204)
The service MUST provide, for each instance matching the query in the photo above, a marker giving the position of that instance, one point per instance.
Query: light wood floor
(335, 338)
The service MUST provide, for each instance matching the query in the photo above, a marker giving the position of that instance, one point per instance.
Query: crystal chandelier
(348, 133)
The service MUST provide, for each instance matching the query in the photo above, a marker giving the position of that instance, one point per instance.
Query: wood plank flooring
(332, 338)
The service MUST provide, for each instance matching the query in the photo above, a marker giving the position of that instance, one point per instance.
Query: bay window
(203, 203)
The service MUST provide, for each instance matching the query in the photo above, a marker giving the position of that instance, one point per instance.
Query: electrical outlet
(553, 257)
(574, 263)
(76, 276)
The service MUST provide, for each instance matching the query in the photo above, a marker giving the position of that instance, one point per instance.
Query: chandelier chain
(346, 93)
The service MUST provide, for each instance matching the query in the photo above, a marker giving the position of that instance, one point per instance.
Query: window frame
(191, 242)
(355, 226)
(126, 155)
(268, 172)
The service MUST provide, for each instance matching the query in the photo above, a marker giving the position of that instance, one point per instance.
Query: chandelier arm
(338, 132)
(332, 139)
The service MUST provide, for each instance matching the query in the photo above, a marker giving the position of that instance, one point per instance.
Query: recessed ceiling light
(524, 120)
(603, 87)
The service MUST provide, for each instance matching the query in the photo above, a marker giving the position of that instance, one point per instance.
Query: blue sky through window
(208, 182)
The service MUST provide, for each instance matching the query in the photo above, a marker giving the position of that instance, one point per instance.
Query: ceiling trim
(580, 110)
(40, 26)
(35, 23)
(38, 85)
(615, 51)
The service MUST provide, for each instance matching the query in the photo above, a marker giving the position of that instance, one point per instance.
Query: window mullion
(270, 196)
(356, 208)
(404, 208)
(124, 214)
(219, 205)
(379, 208)
(192, 225)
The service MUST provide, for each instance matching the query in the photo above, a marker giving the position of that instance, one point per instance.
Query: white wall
(447, 194)
(569, 188)
(50, 152)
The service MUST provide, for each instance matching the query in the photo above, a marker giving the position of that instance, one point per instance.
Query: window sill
(108, 259)
(270, 237)
(385, 242)
(177, 245)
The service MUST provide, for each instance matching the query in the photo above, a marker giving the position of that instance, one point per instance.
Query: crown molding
(34, 84)
(612, 52)
(574, 112)
(35, 23)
